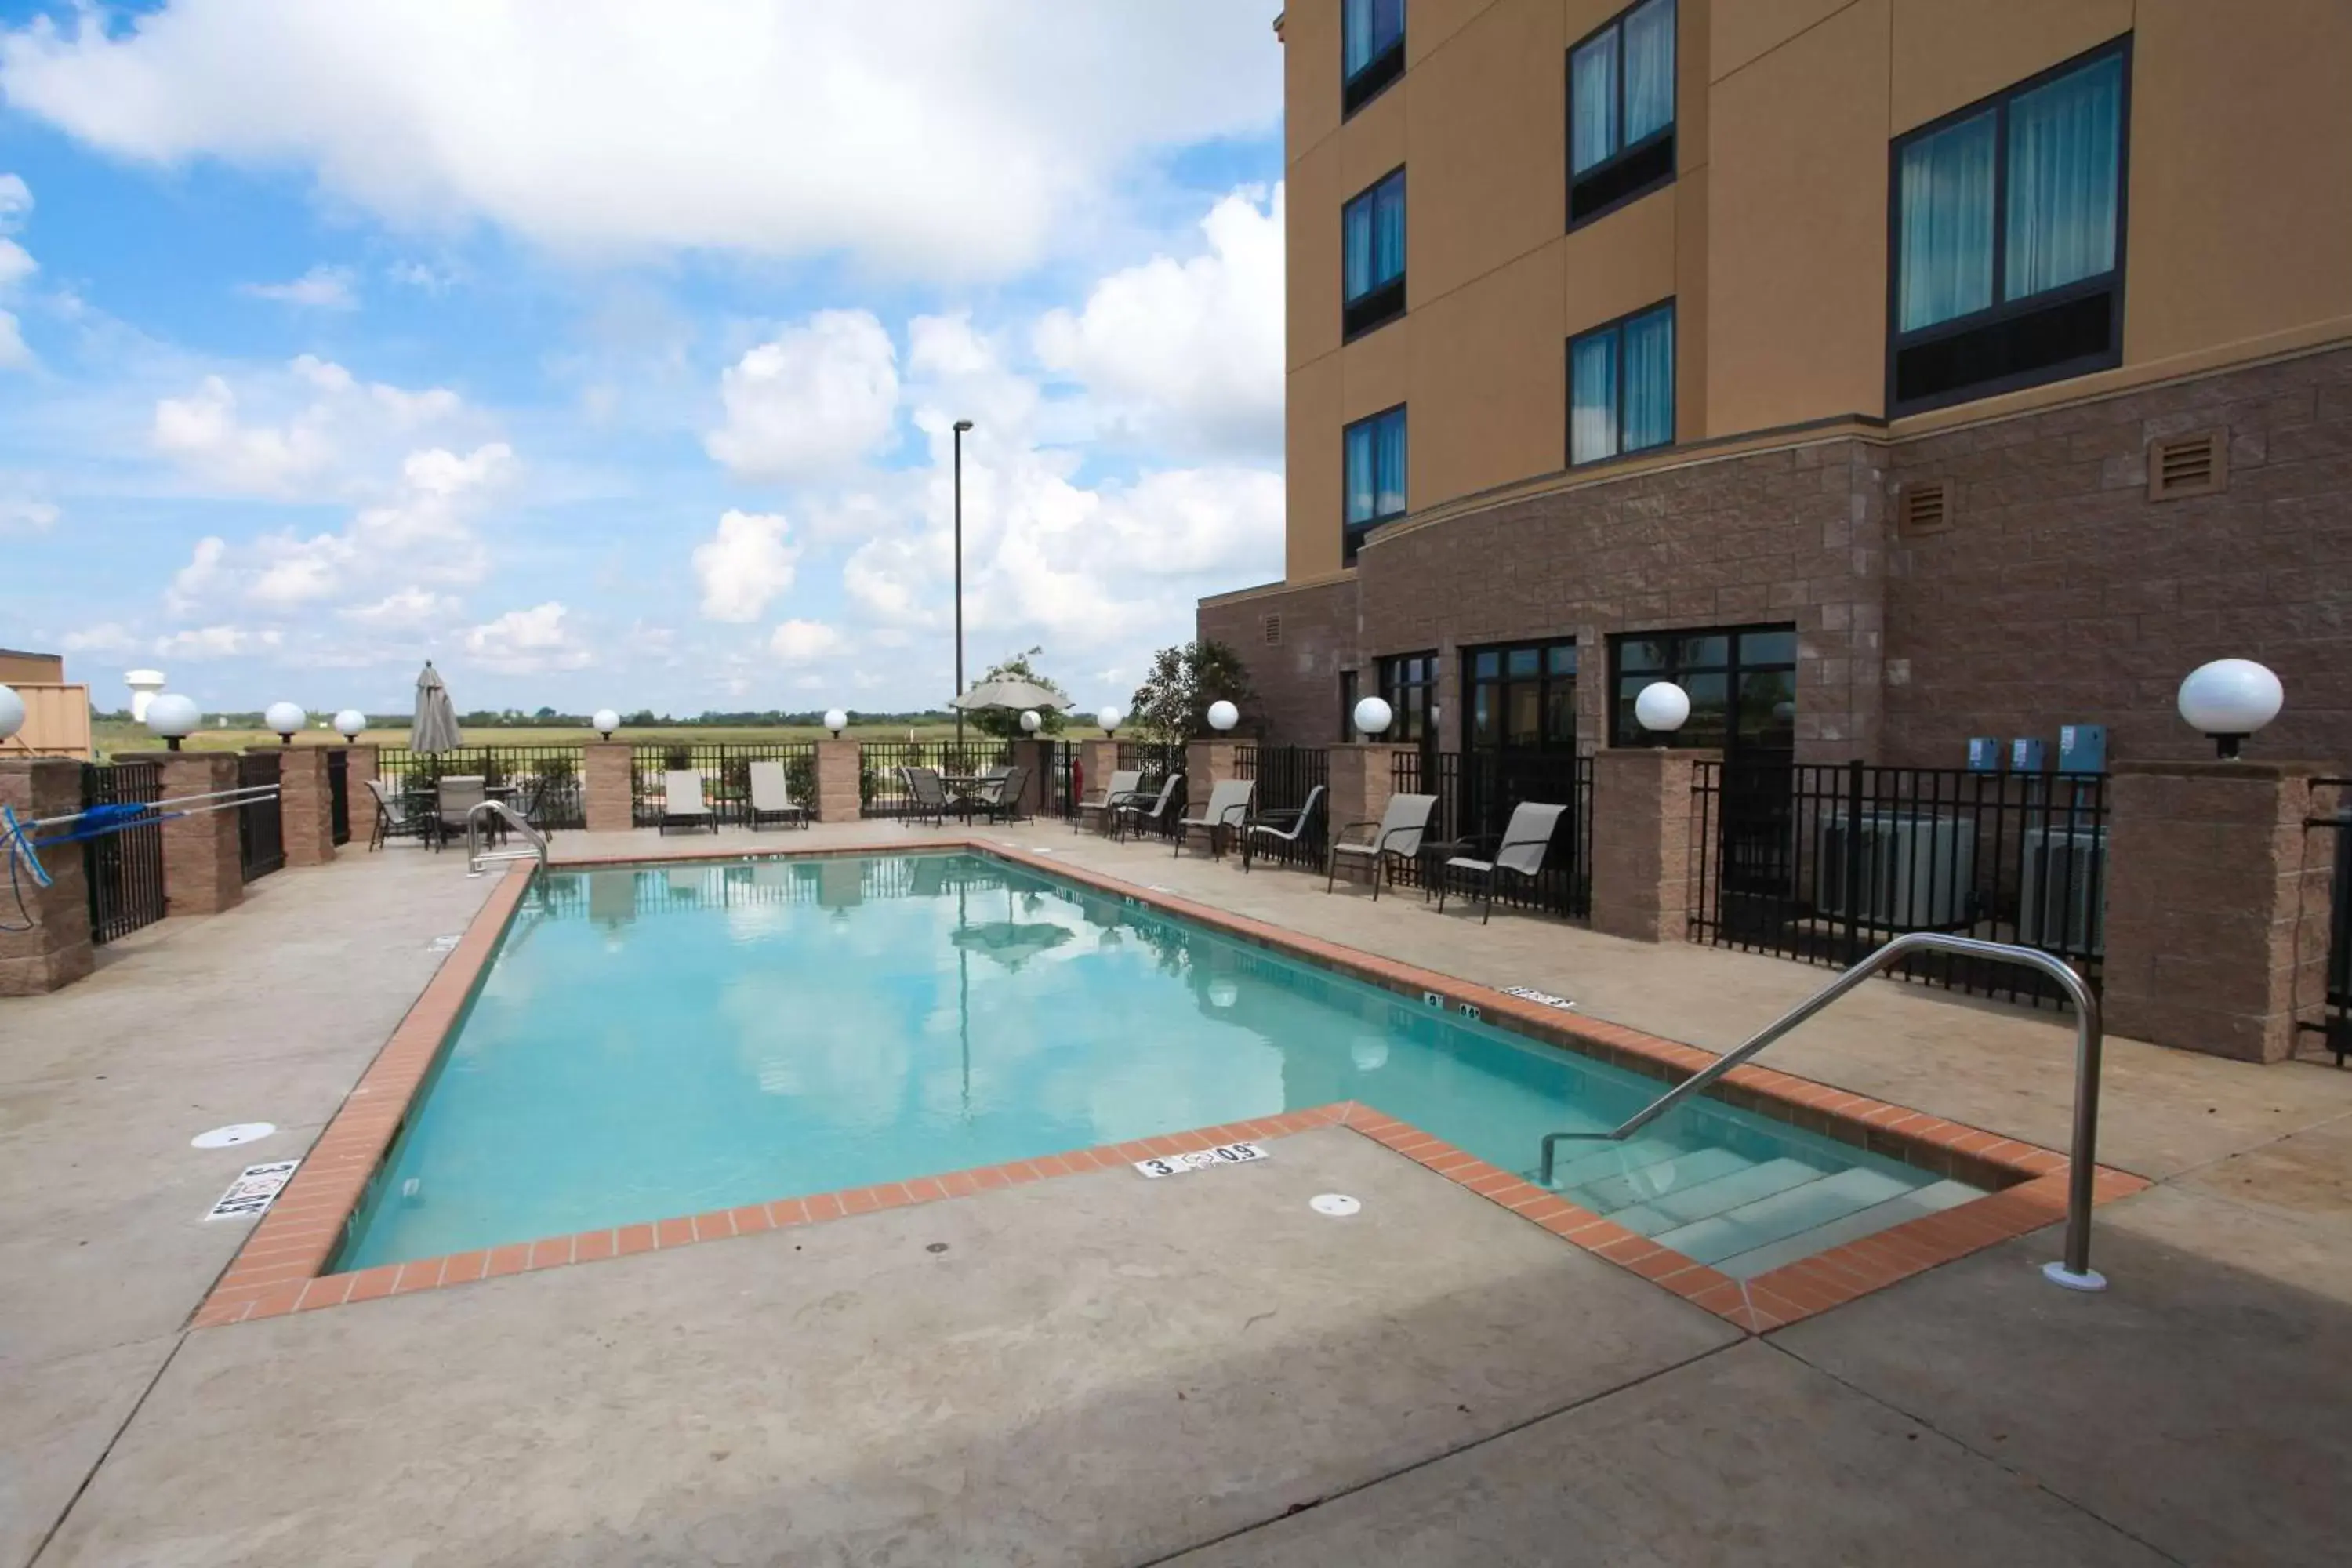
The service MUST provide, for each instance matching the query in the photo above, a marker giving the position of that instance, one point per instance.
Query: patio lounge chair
(1395, 837)
(771, 795)
(926, 796)
(1123, 783)
(1228, 810)
(453, 797)
(1525, 838)
(1285, 827)
(1134, 813)
(393, 817)
(682, 802)
(1001, 798)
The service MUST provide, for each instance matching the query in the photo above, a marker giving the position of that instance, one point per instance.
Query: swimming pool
(658, 1040)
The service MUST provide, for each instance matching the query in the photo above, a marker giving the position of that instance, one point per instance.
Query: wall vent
(1927, 508)
(1270, 626)
(2192, 465)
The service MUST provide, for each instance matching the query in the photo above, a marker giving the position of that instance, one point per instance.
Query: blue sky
(605, 353)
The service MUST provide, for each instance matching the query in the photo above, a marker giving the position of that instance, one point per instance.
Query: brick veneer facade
(305, 806)
(55, 950)
(203, 871)
(1297, 677)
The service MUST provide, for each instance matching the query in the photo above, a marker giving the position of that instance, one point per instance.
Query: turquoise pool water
(656, 1041)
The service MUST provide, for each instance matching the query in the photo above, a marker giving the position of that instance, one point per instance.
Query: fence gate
(125, 870)
(338, 795)
(260, 826)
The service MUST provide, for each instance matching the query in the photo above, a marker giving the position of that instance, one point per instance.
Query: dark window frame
(1411, 725)
(1384, 302)
(1352, 535)
(1503, 681)
(1376, 74)
(1732, 669)
(2009, 313)
(1674, 393)
(1637, 168)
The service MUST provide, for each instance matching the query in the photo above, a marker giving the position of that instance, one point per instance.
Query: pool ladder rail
(2074, 1271)
(479, 854)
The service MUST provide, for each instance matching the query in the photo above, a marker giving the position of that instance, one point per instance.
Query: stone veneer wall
(1298, 679)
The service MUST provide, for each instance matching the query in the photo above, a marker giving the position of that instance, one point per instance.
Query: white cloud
(1188, 352)
(16, 201)
(217, 642)
(528, 642)
(408, 609)
(950, 140)
(813, 400)
(421, 274)
(27, 516)
(107, 636)
(744, 565)
(16, 264)
(317, 420)
(321, 289)
(804, 642)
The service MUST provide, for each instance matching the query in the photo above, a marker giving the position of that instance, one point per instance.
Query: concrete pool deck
(729, 1404)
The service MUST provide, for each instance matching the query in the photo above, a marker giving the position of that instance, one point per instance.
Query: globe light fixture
(174, 718)
(1663, 706)
(1109, 718)
(1224, 715)
(350, 723)
(1373, 717)
(605, 721)
(836, 721)
(1029, 722)
(2228, 699)
(12, 712)
(284, 719)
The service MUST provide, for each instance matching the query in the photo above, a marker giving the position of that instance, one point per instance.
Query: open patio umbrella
(1016, 695)
(434, 726)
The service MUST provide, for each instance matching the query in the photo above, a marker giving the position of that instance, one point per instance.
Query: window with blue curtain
(1621, 386)
(2008, 245)
(1373, 256)
(1375, 475)
(1372, 49)
(1620, 111)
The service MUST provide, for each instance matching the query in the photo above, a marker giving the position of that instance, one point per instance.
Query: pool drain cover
(229, 1137)
(1338, 1205)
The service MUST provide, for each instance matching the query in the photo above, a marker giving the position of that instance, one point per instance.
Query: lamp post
(960, 427)
(351, 725)
(1109, 719)
(1223, 716)
(835, 721)
(174, 718)
(1373, 717)
(2228, 699)
(284, 719)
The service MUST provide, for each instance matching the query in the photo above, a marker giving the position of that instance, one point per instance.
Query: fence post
(1853, 859)
(364, 763)
(1642, 841)
(306, 814)
(1038, 786)
(2217, 911)
(1363, 774)
(1207, 764)
(56, 951)
(840, 775)
(204, 872)
(608, 772)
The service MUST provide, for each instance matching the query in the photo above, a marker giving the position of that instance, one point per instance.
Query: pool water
(661, 1040)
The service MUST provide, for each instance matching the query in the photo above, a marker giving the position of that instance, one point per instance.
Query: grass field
(112, 735)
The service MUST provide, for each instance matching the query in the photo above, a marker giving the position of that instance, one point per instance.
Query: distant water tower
(144, 684)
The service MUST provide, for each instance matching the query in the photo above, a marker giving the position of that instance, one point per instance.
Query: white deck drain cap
(229, 1137)
(1338, 1205)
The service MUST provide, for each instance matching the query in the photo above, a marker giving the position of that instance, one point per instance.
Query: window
(1375, 476)
(1372, 229)
(1742, 684)
(1409, 686)
(1371, 50)
(1621, 386)
(1620, 112)
(1521, 696)
(2008, 267)
(1348, 706)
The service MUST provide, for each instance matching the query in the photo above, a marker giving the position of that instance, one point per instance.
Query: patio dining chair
(1395, 837)
(1123, 782)
(927, 795)
(1526, 839)
(682, 802)
(453, 797)
(395, 817)
(1228, 810)
(1158, 812)
(771, 797)
(1282, 830)
(1001, 798)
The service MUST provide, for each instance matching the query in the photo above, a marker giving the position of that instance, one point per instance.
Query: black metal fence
(1155, 760)
(260, 825)
(1825, 862)
(125, 868)
(1476, 792)
(1059, 789)
(2335, 1026)
(726, 769)
(1286, 776)
(338, 795)
(548, 777)
(882, 792)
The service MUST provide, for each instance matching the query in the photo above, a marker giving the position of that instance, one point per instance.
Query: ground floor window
(1521, 696)
(1742, 682)
(1409, 686)
(1347, 705)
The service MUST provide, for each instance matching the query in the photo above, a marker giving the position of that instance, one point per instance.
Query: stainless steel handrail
(2074, 1271)
(477, 857)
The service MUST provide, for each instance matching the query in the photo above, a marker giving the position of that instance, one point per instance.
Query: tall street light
(960, 427)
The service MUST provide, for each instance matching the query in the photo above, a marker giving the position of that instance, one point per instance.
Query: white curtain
(1649, 69)
(1649, 371)
(1592, 398)
(2065, 154)
(1361, 495)
(1389, 460)
(1358, 244)
(1592, 102)
(1945, 268)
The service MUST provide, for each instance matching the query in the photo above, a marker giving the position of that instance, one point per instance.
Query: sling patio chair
(771, 797)
(1001, 796)
(394, 818)
(1158, 814)
(1281, 831)
(1526, 838)
(1395, 837)
(682, 802)
(453, 797)
(1228, 811)
(1123, 782)
(926, 796)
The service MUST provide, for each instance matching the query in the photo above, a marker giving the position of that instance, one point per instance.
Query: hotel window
(2008, 267)
(1372, 229)
(1375, 476)
(1372, 49)
(1522, 698)
(1621, 386)
(1348, 692)
(1741, 681)
(1620, 112)
(1409, 686)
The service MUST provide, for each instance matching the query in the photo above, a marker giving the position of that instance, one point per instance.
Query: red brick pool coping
(279, 1270)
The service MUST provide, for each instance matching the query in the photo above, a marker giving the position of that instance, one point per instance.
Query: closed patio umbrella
(434, 726)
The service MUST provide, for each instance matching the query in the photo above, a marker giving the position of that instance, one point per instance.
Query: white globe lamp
(836, 721)
(1224, 715)
(144, 684)
(2228, 699)
(12, 712)
(350, 723)
(1109, 718)
(174, 718)
(605, 721)
(284, 719)
(1663, 706)
(1373, 717)
(1029, 722)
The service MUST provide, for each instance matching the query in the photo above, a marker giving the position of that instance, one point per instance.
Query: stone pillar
(840, 775)
(362, 763)
(1642, 841)
(203, 870)
(2216, 905)
(1037, 789)
(57, 951)
(608, 775)
(304, 806)
(1362, 775)
(1097, 760)
(1207, 764)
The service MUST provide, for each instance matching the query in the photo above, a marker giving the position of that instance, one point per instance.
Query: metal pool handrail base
(2074, 1272)
(476, 857)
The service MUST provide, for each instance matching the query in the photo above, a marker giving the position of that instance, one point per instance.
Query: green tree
(1004, 723)
(1173, 703)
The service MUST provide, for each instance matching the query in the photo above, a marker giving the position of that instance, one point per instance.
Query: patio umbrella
(1016, 695)
(434, 726)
